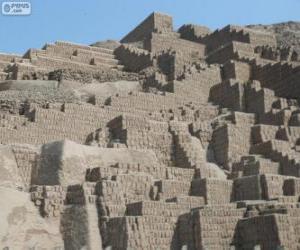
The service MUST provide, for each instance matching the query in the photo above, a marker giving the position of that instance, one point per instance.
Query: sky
(88, 21)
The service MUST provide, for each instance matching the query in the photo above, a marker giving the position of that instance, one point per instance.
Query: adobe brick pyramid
(164, 140)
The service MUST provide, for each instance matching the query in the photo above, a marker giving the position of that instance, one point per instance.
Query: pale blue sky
(87, 21)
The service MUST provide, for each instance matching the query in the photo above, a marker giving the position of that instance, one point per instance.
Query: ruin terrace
(182, 140)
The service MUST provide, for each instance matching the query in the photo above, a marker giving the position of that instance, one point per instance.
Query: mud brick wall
(81, 203)
(279, 150)
(198, 84)
(84, 60)
(259, 100)
(111, 198)
(180, 64)
(49, 199)
(272, 185)
(156, 171)
(193, 32)
(134, 187)
(229, 94)
(140, 232)
(69, 74)
(261, 38)
(166, 62)
(156, 22)
(203, 131)
(168, 189)
(293, 134)
(222, 222)
(4, 76)
(244, 49)
(267, 231)
(176, 65)
(206, 114)
(222, 55)
(288, 54)
(9, 121)
(241, 119)
(276, 54)
(107, 75)
(23, 97)
(247, 188)
(220, 143)
(276, 117)
(27, 72)
(193, 201)
(180, 174)
(9, 57)
(262, 133)
(77, 238)
(51, 50)
(4, 66)
(269, 75)
(27, 159)
(106, 189)
(257, 165)
(224, 36)
(230, 142)
(214, 191)
(156, 80)
(139, 133)
(67, 55)
(157, 208)
(133, 59)
(235, 33)
(236, 70)
(164, 42)
(98, 173)
(294, 213)
(257, 187)
(280, 77)
(114, 236)
(67, 45)
(156, 107)
(232, 51)
(185, 232)
(292, 187)
(53, 63)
